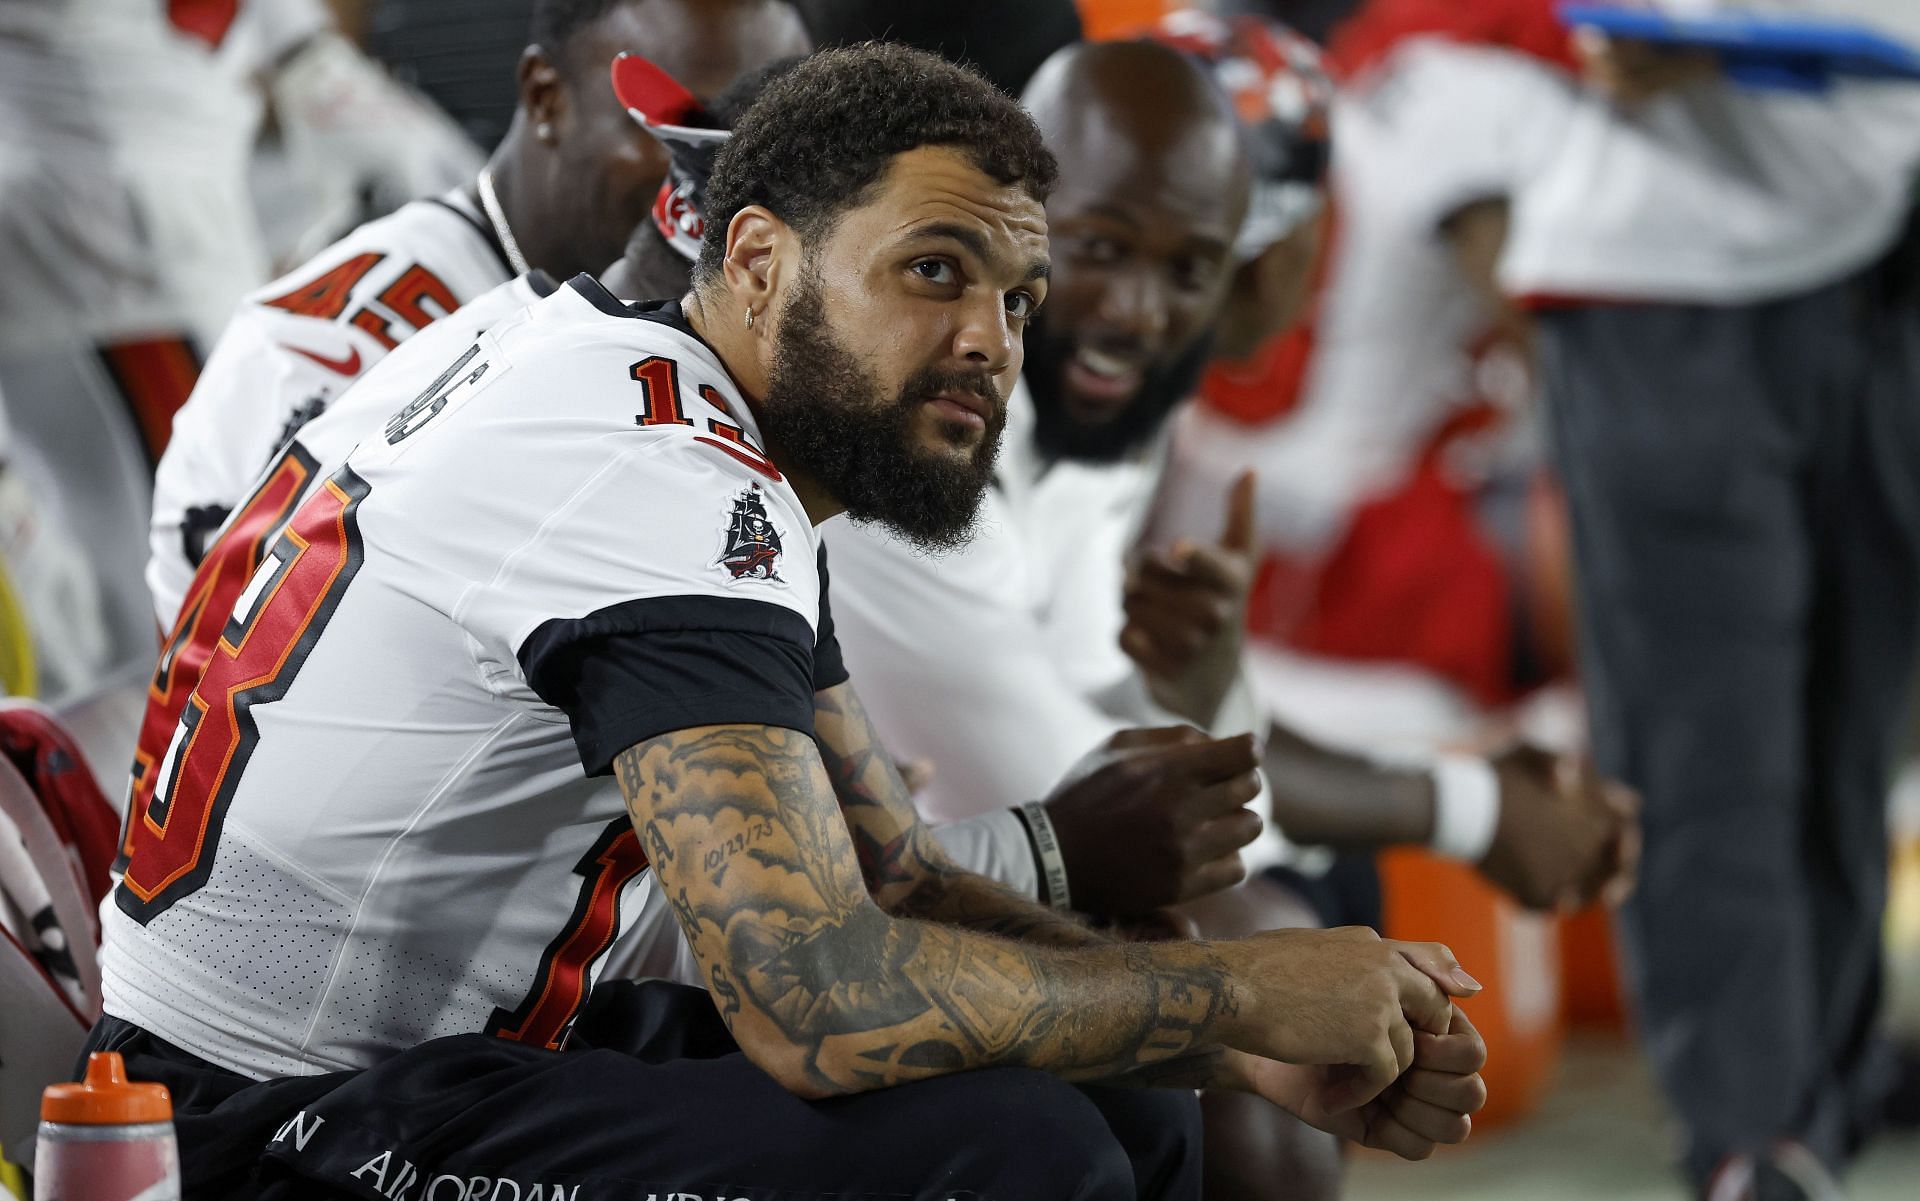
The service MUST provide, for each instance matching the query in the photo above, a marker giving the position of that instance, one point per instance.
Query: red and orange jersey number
(660, 404)
(224, 570)
(416, 298)
(564, 977)
(275, 621)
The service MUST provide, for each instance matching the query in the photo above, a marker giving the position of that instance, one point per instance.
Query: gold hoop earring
(749, 318)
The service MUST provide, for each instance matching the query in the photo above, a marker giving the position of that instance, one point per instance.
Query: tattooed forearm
(833, 994)
(905, 868)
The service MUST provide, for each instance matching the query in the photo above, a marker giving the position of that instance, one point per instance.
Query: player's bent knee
(1161, 1131)
(1039, 1138)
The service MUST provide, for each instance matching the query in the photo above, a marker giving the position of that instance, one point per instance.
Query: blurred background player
(1733, 378)
(1405, 595)
(127, 217)
(343, 142)
(128, 231)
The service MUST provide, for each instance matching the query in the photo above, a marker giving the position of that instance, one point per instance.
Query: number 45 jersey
(377, 820)
(294, 348)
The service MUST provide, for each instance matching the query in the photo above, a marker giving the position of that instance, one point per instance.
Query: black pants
(658, 1104)
(1743, 482)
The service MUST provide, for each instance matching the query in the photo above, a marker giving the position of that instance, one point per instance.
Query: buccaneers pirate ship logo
(752, 547)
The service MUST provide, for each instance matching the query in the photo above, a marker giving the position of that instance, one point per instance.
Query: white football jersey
(377, 822)
(234, 552)
(295, 345)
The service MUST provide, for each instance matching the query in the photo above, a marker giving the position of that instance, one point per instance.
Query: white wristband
(1466, 806)
(1053, 866)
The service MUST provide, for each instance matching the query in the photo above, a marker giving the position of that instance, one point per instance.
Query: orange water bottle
(106, 1139)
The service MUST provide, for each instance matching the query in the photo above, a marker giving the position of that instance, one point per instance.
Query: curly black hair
(826, 130)
(726, 109)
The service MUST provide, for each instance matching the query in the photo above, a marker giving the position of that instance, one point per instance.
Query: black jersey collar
(665, 312)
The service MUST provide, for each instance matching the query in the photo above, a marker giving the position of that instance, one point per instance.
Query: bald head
(1144, 100)
(1153, 186)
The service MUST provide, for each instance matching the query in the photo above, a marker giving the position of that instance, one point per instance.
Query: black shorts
(654, 1103)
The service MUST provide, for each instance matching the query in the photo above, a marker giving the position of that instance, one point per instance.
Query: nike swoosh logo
(347, 366)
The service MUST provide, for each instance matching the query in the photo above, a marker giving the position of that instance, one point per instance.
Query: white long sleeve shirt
(1719, 194)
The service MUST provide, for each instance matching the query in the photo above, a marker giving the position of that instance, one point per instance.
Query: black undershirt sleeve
(829, 669)
(643, 668)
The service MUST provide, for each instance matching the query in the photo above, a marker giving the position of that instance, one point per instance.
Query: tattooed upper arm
(747, 844)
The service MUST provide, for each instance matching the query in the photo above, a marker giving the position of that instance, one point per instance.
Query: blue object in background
(1763, 51)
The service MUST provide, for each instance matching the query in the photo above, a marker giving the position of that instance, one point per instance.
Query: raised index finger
(1144, 737)
(1211, 761)
(1239, 532)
